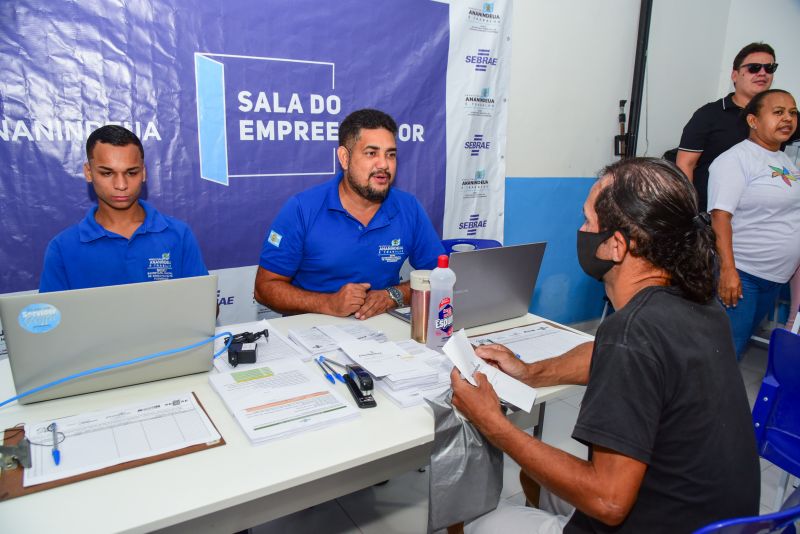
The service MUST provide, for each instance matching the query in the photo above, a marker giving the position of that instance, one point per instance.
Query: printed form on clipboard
(95, 440)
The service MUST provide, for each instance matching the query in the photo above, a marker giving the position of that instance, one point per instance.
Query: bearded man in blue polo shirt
(122, 239)
(337, 248)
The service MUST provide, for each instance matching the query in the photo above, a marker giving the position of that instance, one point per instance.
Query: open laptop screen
(494, 284)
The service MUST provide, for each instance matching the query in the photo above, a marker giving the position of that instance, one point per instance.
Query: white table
(238, 485)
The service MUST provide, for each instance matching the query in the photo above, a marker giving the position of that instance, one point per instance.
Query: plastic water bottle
(440, 316)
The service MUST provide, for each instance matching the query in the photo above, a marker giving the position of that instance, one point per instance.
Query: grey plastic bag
(466, 471)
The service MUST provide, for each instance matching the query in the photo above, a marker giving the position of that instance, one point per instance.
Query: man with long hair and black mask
(665, 414)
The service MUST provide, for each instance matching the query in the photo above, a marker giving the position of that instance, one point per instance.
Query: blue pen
(56, 452)
(338, 376)
(326, 373)
(328, 360)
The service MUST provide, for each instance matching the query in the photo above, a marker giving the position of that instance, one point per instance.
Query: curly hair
(652, 203)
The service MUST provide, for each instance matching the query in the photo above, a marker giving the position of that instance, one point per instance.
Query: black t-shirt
(713, 129)
(665, 389)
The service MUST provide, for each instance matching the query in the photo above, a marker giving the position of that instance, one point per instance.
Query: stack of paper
(280, 399)
(326, 338)
(406, 391)
(381, 359)
(534, 342)
(267, 349)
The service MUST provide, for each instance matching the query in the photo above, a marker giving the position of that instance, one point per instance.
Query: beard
(367, 191)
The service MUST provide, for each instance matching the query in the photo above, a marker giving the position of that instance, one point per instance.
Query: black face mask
(588, 243)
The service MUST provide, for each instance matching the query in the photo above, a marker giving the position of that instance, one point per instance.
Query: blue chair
(476, 244)
(783, 521)
(776, 413)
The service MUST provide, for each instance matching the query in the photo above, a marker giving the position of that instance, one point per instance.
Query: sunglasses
(754, 68)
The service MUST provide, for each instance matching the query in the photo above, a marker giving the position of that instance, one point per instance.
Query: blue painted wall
(550, 209)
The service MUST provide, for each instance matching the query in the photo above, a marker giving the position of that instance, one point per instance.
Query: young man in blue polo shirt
(337, 248)
(122, 240)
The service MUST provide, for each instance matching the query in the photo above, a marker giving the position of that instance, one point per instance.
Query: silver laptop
(53, 335)
(492, 284)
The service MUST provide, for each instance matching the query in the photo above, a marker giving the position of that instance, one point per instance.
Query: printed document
(94, 440)
(460, 352)
(382, 359)
(327, 338)
(280, 398)
(534, 342)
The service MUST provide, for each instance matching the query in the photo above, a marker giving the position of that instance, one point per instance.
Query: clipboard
(11, 480)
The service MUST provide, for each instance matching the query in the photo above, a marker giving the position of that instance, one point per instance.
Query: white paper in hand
(459, 350)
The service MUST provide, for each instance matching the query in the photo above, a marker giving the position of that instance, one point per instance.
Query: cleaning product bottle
(440, 315)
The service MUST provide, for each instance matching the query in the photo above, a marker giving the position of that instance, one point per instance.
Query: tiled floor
(401, 506)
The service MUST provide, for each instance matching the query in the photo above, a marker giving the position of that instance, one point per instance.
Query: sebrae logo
(482, 60)
(477, 144)
(472, 224)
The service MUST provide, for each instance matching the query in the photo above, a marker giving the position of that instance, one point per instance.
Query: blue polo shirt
(321, 247)
(88, 255)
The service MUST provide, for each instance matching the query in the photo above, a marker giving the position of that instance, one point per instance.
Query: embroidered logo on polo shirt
(391, 253)
(275, 238)
(160, 268)
(786, 175)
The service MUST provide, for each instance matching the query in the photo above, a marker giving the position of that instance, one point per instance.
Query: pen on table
(338, 376)
(328, 360)
(56, 452)
(325, 372)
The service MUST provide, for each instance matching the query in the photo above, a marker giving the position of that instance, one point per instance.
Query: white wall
(775, 22)
(692, 46)
(571, 63)
(685, 58)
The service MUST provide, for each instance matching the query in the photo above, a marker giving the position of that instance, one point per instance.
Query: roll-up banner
(238, 104)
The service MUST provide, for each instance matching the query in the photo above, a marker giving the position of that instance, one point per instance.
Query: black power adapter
(243, 348)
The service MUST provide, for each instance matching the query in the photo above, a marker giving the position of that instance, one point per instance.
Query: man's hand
(730, 287)
(376, 302)
(347, 300)
(479, 404)
(501, 357)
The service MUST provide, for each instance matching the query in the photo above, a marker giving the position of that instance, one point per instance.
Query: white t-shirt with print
(761, 189)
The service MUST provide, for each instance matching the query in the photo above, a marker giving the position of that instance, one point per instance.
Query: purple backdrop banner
(237, 104)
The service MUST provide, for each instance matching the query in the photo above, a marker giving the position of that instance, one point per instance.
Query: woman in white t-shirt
(754, 201)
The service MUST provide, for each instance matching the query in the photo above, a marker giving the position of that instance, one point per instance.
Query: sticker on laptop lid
(39, 318)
